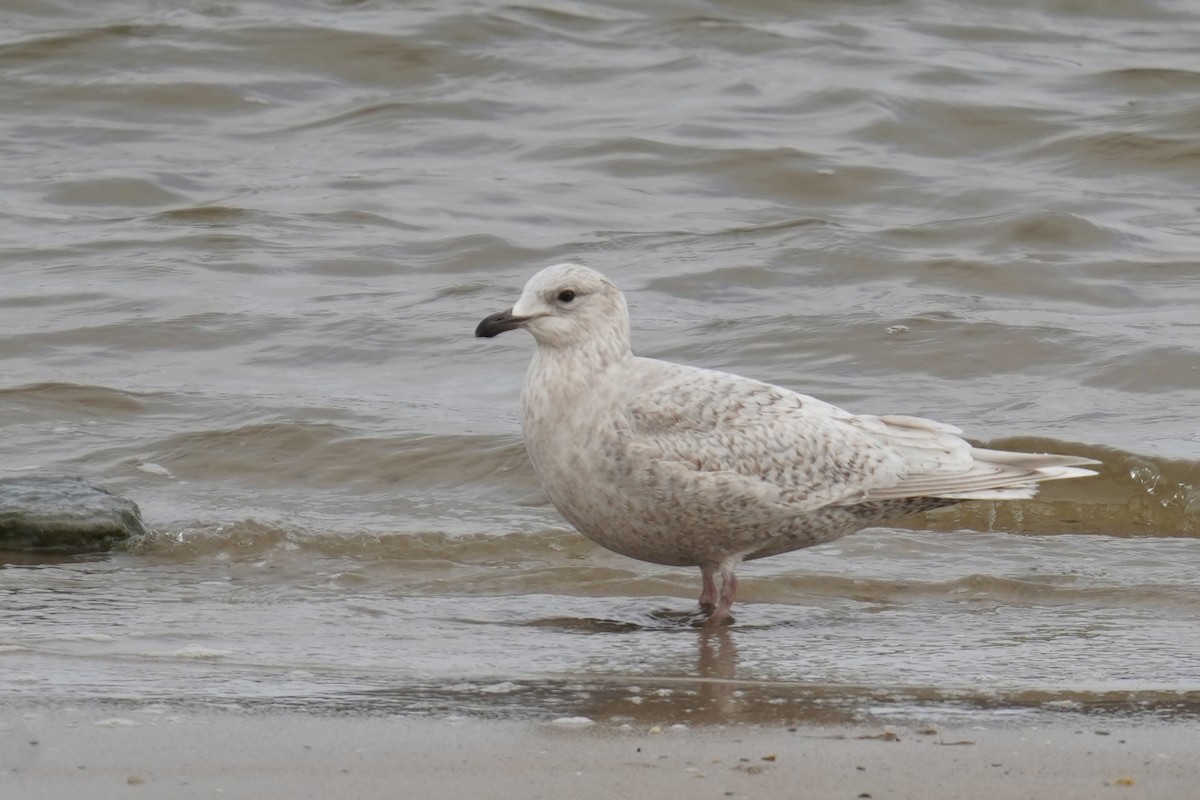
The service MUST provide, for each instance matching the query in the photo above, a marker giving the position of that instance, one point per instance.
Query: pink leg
(720, 615)
(708, 591)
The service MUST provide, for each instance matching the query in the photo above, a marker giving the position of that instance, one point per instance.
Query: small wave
(1057, 230)
(48, 48)
(1144, 81)
(250, 538)
(122, 191)
(1134, 495)
(1170, 153)
(382, 113)
(208, 215)
(190, 652)
(81, 399)
(330, 456)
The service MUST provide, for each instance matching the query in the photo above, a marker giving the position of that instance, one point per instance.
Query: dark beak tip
(495, 324)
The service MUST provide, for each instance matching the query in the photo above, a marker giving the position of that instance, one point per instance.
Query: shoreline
(104, 751)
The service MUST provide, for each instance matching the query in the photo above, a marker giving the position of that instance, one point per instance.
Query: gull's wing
(738, 441)
(742, 442)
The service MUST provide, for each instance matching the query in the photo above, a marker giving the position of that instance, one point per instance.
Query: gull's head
(563, 306)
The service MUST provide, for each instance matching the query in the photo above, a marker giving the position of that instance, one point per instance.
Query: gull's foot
(687, 619)
(716, 619)
(708, 616)
(711, 615)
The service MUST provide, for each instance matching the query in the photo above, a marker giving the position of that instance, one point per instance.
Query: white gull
(691, 467)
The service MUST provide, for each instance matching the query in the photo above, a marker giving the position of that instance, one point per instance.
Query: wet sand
(163, 752)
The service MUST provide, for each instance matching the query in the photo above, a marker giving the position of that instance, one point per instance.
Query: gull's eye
(566, 296)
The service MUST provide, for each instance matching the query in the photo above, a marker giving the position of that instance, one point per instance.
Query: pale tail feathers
(1052, 468)
(941, 465)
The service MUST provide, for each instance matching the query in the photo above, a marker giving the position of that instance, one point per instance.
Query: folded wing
(755, 444)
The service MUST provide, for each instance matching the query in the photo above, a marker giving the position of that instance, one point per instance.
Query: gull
(684, 466)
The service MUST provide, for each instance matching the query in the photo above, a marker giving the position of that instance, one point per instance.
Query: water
(245, 246)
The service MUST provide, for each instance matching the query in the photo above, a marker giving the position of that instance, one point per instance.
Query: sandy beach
(158, 751)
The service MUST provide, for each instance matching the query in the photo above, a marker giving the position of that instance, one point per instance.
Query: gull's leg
(708, 590)
(720, 615)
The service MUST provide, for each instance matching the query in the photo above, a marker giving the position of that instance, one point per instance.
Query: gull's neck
(560, 377)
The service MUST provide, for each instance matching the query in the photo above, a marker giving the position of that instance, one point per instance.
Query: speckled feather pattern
(679, 465)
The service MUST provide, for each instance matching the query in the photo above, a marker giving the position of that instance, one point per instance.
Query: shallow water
(245, 246)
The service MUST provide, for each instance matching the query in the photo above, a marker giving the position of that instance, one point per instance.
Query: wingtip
(1060, 473)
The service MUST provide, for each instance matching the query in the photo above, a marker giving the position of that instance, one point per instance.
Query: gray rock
(63, 514)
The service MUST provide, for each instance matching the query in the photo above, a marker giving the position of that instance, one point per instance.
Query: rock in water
(63, 514)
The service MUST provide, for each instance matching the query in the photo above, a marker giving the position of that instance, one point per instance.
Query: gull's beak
(499, 323)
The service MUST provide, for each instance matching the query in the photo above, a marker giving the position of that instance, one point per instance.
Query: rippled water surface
(244, 247)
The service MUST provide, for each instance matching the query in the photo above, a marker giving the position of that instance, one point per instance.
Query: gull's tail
(1005, 475)
(945, 466)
